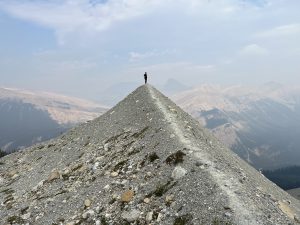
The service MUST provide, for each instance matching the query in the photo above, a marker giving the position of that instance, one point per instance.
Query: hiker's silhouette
(145, 77)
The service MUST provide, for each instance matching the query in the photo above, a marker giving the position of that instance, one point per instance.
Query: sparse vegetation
(175, 158)
(141, 133)
(153, 156)
(217, 221)
(161, 189)
(183, 220)
(119, 165)
(103, 221)
(15, 220)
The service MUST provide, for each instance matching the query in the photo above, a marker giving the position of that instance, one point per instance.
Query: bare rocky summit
(145, 161)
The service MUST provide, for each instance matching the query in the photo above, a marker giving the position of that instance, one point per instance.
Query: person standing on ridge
(145, 77)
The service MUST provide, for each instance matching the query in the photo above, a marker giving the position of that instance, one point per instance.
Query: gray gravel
(143, 162)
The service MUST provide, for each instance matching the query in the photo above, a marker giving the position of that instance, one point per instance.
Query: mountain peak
(144, 161)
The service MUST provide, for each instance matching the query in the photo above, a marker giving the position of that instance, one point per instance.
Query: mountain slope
(28, 117)
(144, 161)
(261, 124)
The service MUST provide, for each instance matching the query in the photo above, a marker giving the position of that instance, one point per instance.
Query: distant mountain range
(27, 117)
(261, 124)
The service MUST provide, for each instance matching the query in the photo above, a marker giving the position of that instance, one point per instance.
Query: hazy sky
(80, 47)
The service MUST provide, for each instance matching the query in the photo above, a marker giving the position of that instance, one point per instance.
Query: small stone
(12, 173)
(228, 214)
(149, 174)
(26, 216)
(98, 222)
(71, 223)
(15, 176)
(159, 217)
(124, 182)
(147, 200)
(85, 215)
(131, 216)
(127, 196)
(115, 196)
(296, 219)
(95, 166)
(97, 209)
(178, 172)
(87, 203)
(99, 158)
(114, 174)
(149, 216)
(169, 198)
(106, 147)
(53, 176)
(91, 213)
(106, 188)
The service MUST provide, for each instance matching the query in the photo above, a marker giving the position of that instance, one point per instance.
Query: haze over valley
(28, 117)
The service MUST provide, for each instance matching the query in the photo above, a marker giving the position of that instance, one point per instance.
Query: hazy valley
(27, 117)
(261, 124)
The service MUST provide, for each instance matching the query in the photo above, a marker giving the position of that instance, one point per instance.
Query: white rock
(178, 172)
(147, 200)
(26, 216)
(85, 215)
(124, 182)
(15, 176)
(97, 209)
(91, 213)
(99, 158)
(159, 217)
(131, 216)
(106, 188)
(98, 222)
(106, 147)
(114, 174)
(149, 216)
(96, 165)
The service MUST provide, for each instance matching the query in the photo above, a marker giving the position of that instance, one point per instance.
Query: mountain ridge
(63, 109)
(144, 161)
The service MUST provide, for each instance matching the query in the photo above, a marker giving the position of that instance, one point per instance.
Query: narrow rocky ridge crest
(145, 161)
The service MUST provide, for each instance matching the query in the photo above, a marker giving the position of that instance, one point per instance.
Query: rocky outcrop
(145, 161)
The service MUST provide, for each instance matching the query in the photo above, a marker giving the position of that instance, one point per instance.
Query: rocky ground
(143, 162)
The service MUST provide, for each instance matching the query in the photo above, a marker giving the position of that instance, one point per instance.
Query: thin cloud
(253, 50)
(70, 16)
(67, 16)
(280, 31)
(139, 56)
